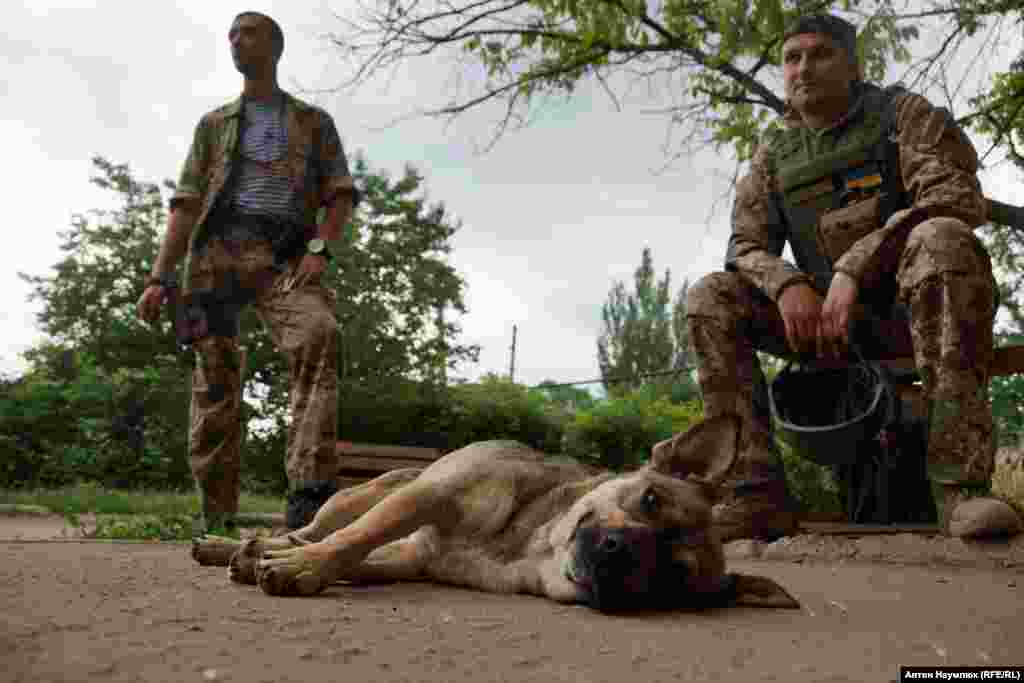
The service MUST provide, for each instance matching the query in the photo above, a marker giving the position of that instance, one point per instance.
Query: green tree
(398, 297)
(88, 303)
(641, 335)
(680, 333)
(398, 307)
(719, 58)
(117, 388)
(999, 114)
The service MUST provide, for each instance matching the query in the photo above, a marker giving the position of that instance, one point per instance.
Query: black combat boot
(305, 499)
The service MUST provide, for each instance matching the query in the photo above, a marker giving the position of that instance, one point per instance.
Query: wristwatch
(318, 246)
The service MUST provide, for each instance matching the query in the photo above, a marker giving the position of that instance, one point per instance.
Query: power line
(613, 380)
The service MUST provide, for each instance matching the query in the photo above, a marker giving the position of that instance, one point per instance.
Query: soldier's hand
(148, 307)
(836, 315)
(800, 308)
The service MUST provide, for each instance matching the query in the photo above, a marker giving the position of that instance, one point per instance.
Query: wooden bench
(361, 462)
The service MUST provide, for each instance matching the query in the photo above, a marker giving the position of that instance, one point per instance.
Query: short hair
(276, 34)
(837, 28)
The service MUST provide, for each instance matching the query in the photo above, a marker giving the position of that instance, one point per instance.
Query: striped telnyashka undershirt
(263, 185)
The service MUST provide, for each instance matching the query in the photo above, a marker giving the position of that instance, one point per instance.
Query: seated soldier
(876, 193)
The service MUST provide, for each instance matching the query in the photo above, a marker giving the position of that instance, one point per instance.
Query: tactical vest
(831, 197)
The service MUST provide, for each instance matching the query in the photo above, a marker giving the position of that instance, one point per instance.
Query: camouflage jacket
(938, 167)
(316, 162)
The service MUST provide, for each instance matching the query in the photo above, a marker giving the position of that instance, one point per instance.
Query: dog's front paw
(215, 551)
(242, 567)
(296, 571)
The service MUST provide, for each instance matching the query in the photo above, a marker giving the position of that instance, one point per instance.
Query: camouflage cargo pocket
(839, 229)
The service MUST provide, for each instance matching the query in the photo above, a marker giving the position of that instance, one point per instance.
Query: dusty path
(145, 612)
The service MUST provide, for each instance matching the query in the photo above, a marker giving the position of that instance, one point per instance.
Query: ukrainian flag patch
(863, 178)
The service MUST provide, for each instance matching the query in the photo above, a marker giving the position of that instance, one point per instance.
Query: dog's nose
(612, 543)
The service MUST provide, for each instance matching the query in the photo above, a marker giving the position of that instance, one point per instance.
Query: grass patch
(83, 498)
(144, 527)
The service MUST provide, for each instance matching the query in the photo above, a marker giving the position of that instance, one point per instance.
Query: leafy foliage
(643, 335)
(721, 57)
(618, 433)
(811, 484)
(448, 418)
(122, 428)
(107, 397)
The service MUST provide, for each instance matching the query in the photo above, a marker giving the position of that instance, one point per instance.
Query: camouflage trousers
(943, 280)
(300, 319)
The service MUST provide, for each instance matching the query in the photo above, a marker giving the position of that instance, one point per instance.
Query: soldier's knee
(714, 296)
(942, 245)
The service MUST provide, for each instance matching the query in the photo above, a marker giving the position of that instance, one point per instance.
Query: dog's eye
(649, 502)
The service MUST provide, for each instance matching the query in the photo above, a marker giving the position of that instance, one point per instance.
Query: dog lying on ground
(500, 517)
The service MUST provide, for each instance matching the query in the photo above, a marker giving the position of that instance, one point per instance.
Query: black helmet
(826, 413)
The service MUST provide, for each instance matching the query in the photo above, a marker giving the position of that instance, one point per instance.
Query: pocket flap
(839, 229)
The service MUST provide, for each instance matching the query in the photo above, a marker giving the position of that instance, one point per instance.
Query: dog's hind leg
(339, 511)
(310, 569)
(348, 505)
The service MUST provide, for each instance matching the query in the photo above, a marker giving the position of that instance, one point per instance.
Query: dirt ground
(96, 611)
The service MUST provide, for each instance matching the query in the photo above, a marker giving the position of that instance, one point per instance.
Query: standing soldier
(876, 193)
(259, 172)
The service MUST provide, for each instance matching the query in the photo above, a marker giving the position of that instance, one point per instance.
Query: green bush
(618, 433)
(405, 413)
(123, 428)
(448, 418)
(811, 484)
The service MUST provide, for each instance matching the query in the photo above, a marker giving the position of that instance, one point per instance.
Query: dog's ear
(705, 451)
(758, 591)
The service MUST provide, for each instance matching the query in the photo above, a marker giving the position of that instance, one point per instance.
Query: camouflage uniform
(925, 260)
(236, 259)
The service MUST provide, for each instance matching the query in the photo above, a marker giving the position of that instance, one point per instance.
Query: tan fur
(500, 517)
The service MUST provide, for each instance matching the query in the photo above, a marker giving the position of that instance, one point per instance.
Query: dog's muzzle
(623, 568)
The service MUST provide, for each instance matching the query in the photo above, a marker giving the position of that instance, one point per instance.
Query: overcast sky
(552, 215)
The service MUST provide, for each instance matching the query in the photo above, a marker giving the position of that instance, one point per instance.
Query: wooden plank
(844, 529)
(348, 448)
(360, 463)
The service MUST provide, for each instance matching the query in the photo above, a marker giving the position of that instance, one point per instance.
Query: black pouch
(207, 313)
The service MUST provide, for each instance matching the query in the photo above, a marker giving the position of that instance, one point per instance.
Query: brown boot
(764, 511)
(968, 513)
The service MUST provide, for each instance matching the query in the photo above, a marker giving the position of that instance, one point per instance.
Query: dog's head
(644, 540)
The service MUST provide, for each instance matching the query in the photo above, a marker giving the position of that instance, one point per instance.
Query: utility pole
(512, 364)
